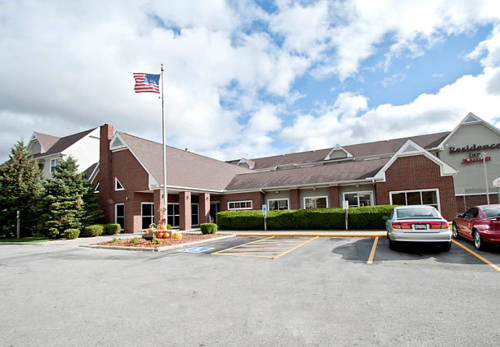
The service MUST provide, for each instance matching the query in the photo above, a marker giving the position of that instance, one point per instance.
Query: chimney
(105, 173)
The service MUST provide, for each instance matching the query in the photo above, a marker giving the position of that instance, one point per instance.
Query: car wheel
(455, 231)
(478, 242)
(392, 244)
(446, 247)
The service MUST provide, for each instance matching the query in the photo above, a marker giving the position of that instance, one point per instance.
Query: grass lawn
(26, 239)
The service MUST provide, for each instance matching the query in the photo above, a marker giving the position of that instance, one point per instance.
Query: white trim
(53, 168)
(463, 122)
(116, 222)
(415, 191)
(173, 215)
(94, 173)
(239, 201)
(117, 181)
(317, 197)
(96, 188)
(338, 147)
(278, 199)
(472, 194)
(152, 210)
(360, 192)
(408, 149)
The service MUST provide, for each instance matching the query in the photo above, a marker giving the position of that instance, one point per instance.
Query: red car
(480, 224)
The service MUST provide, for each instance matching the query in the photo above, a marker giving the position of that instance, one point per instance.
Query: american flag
(146, 83)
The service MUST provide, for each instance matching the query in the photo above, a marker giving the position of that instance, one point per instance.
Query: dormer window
(118, 185)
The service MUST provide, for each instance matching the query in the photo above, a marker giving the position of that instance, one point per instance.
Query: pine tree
(20, 190)
(63, 200)
(92, 213)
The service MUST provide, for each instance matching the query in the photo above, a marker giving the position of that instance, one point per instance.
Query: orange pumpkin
(162, 227)
(168, 234)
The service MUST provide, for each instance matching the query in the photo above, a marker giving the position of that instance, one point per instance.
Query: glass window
(417, 212)
(118, 185)
(356, 199)
(173, 214)
(120, 215)
(54, 163)
(239, 205)
(195, 217)
(277, 204)
(147, 215)
(315, 202)
(491, 212)
(426, 197)
(472, 213)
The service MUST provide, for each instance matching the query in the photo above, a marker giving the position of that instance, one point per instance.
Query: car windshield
(493, 211)
(417, 212)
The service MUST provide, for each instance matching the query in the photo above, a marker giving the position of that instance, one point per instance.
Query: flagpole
(164, 150)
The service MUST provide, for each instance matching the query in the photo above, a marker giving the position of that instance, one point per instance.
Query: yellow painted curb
(312, 235)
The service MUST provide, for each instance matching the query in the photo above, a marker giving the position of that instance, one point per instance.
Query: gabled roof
(386, 147)
(410, 148)
(62, 143)
(338, 148)
(184, 169)
(91, 171)
(330, 173)
(46, 141)
(469, 119)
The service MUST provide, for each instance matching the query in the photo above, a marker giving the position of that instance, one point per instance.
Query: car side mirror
(385, 218)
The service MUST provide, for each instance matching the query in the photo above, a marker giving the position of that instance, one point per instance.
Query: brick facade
(256, 197)
(467, 201)
(333, 198)
(414, 173)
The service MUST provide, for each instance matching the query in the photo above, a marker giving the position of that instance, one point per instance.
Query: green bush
(240, 220)
(369, 217)
(111, 229)
(93, 230)
(208, 228)
(71, 233)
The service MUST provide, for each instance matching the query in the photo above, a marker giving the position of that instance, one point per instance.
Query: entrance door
(214, 208)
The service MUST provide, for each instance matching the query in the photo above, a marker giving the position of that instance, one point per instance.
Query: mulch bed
(142, 243)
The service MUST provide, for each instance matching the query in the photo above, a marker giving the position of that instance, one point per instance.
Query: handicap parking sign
(197, 249)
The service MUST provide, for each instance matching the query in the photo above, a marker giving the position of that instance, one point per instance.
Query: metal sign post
(264, 212)
(345, 205)
(18, 224)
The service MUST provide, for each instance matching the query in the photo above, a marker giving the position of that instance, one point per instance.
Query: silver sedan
(418, 223)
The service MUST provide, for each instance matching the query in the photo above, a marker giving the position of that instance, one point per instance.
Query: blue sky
(249, 79)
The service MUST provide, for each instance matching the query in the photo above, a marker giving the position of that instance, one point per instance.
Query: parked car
(418, 223)
(480, 224)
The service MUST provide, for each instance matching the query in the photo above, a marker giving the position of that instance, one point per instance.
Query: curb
(158, 249)
(315, 235)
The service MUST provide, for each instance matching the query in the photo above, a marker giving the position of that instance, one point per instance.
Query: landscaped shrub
(71, 233)
(111, 229)
(240, 220)
(208, 228)
(369, 217)
(93, 230)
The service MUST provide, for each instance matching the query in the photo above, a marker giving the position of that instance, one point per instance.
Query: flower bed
(142, 243)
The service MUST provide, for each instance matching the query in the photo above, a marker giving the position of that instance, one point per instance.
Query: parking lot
(250, 291)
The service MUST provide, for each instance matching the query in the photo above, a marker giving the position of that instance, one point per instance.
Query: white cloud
(426, 114)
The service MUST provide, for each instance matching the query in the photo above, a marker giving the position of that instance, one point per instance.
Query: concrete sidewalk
(309, 233)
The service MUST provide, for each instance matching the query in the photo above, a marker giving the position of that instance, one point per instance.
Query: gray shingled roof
(62, 142)
(331, 172)
(184, 169)
(357, 150)
(88, 171)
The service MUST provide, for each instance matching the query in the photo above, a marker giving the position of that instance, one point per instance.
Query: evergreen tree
(92, 213)
(20, 190)
(63, 200)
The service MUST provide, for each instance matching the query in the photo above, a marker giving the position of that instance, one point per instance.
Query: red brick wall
(468, 201)
(334, 197)
(104, 176)
(294, 199)
(256, 197)
(418, 172)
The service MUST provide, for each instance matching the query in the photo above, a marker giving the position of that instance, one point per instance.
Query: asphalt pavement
(320, 293)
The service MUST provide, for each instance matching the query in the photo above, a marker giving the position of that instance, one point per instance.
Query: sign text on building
(474, 147)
